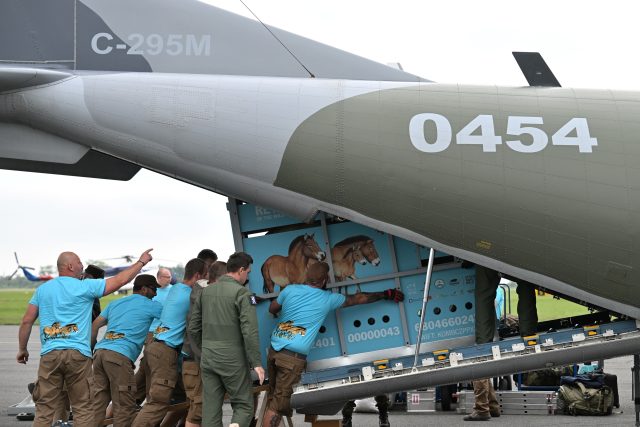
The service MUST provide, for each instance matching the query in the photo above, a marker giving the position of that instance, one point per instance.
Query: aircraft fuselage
(539, 183)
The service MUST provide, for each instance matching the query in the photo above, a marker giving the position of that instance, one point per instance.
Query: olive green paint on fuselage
(568, 215)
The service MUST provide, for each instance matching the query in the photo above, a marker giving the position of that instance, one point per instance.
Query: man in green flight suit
(225, 322)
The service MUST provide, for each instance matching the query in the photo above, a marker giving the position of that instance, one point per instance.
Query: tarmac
(15, 377)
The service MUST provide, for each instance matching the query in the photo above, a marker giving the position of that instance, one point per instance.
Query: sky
(588, 44)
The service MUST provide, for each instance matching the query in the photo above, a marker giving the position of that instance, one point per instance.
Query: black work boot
(382, 403)
(347, 412)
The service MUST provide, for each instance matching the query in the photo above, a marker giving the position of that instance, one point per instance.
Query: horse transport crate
(515, 402)
(362, 259)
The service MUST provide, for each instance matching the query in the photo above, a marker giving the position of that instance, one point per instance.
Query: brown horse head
(311, 249)
(369, 251)
(366, 246)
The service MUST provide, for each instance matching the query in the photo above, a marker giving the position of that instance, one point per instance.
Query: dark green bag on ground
(545, 377)
(576, 399)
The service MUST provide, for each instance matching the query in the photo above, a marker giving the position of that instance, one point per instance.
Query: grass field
(13, 303)
(549, 308)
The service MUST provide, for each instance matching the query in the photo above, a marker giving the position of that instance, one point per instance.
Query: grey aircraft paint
(556, 216)
(185, 36)
(555, 201)
(560, 213)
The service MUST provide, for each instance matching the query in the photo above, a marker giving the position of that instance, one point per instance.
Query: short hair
(317, 274)
(194, 266)
(206, 254)
(145, 280)
(216, 270)
(239, 260)
(94, 271)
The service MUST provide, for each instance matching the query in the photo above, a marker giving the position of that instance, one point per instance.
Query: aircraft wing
(169, 36)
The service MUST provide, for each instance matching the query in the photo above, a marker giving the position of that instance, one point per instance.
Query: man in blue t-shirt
(64, 307)
(162, 354)
(127, 321)
(164, 278)
(303, 310)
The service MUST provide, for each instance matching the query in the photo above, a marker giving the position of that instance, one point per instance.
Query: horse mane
(353, 239)
(295, 241)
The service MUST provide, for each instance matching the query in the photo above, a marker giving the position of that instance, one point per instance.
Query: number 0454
(523, 135)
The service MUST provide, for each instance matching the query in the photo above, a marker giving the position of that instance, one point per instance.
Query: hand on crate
(393, 295)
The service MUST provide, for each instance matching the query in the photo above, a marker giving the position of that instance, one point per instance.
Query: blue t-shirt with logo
(161, 296)
(128, 321)
(173, 320)
(304, 309)
(64, 307)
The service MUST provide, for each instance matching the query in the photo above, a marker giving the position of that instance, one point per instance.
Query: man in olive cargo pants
(224, 321)
(487, 281)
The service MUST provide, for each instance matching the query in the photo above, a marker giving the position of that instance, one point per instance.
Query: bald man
(64, 306)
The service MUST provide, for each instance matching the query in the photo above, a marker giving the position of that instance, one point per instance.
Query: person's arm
(275, 308)
(95, 326)
(24, 332)
(369, 297)
(125, 276)
(195, 341)
(194, 328)
(249, 329)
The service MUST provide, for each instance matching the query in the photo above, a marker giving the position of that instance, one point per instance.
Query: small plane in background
(108, 271)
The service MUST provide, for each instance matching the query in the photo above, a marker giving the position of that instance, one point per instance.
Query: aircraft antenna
(279, 41)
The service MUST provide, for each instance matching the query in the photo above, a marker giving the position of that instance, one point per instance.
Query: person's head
(318, 275)
(208, 256)
(69, 264)
(145, 285)
(93, 272)
(216, 270)
(194, 271)
(239, 266)
(163, 276)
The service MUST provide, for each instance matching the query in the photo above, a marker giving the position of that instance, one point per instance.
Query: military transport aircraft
(537, 182)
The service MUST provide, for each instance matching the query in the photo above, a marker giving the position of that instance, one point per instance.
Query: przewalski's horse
(280, 270)
(344, 258)
(366, 246)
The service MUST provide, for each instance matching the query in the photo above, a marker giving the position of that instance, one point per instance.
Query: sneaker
(477, 417)
(494, 414)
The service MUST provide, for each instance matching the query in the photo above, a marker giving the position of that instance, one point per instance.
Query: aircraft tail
(29, 275)
(185, 36)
